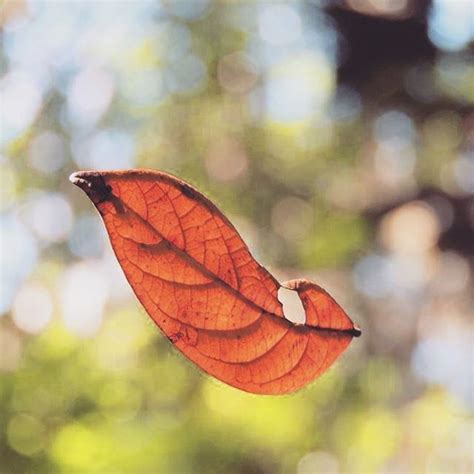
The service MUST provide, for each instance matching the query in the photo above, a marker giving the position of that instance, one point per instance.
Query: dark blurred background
(337, 136)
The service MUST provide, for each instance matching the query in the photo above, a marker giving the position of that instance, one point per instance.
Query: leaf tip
(93, 184)
(79, 178)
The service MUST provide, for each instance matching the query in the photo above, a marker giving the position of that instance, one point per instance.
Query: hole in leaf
(292, 305)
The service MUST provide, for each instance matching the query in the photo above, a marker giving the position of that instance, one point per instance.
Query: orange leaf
(198, 281)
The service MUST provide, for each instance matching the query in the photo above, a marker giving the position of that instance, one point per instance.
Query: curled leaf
(197, 280)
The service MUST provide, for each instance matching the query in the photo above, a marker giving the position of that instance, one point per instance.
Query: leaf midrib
(199, 266)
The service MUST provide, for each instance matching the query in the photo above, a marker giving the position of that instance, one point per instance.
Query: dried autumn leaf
(198, 281)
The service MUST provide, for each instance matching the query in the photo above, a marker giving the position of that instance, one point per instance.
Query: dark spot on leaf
(175, 337)
(188, 191)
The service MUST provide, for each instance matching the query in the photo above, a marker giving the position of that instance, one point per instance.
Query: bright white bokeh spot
(409, 275)
(87, 238)
(107, 149)
(299, 88)
(89, 96)
(29, 45)
(451, 24)
(377, 276)
(373, 276)
(46, 153)
(50, 216)
(279, 24)
(447, 358)
(21, 100)
(18, 255)
(84, 290)
(119, 288)
(32, 308)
